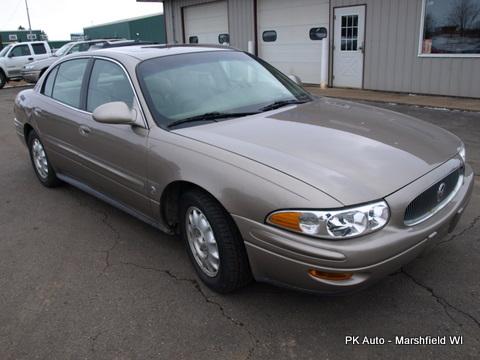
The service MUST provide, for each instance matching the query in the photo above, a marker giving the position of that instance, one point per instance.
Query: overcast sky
(59, 18)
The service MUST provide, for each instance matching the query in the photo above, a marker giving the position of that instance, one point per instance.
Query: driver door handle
(30, 58)
(84, 130)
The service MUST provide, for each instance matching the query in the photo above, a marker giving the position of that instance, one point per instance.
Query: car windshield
(189, 85)
(4, 51)
(63, 50)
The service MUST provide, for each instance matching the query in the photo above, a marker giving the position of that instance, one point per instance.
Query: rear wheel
(41, 165)
(213, 243)
(3, 79)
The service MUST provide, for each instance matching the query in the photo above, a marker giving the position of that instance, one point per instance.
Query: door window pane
(48, 87)
(20, 50)
(108, 83)
(269, 36)
(39, 49)
(223, 38)
(451, 27)
(68, 84)
(349, 31)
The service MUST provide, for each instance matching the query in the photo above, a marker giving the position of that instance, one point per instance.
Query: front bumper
(31, 76)
(284, 258)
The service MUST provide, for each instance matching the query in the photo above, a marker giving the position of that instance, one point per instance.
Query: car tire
(42, 167)
(233, 271)
(3, 79)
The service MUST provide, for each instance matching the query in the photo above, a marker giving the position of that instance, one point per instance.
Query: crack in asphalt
(442, 301)
(208, 300)
(116, 240)
(468, 228)
(93, 339)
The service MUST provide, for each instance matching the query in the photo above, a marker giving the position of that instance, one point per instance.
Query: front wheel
(42, 167)
(3, 79)
(213, 243)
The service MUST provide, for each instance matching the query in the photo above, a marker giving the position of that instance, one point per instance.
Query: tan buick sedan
(261, 179)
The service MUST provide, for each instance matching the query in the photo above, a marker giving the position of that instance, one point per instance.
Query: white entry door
(349, 35)
(206, 23)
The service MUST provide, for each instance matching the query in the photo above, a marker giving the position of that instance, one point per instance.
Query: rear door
(206, 23)
(59, 115)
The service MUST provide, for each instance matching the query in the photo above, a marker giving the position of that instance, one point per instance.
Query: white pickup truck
(15, 56)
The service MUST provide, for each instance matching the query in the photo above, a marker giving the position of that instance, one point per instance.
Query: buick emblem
(441, 191)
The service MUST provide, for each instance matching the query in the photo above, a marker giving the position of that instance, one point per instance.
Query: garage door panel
(206, 21)
(293, 52)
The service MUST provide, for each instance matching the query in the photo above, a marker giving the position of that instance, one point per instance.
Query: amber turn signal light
(330, 276)
(289, 220)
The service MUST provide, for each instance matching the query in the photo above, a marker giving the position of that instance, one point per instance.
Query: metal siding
(391, 58)
(240, 16)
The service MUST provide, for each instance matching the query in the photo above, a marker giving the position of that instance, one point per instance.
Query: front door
(349, 45)
(17, 58)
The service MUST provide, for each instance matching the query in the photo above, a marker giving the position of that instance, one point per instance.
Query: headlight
(463, 153)
(333, 224)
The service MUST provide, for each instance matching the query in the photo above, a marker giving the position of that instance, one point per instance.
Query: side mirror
(116, 112)
(295, 79)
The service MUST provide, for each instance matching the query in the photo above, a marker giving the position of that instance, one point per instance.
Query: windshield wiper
(280, 103)
(211, 116)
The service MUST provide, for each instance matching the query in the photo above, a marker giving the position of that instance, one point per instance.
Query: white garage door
(284, 35)
(206, 23)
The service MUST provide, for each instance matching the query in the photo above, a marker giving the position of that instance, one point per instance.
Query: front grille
(432, 199)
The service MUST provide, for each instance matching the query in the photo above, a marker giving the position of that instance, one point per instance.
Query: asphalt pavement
(80, 279)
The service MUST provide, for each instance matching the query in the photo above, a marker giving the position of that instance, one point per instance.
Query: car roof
(144, 52)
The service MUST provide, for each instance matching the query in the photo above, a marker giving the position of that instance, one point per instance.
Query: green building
(12, 36)
(145, 28)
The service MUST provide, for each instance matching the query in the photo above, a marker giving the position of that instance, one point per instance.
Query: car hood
(42, 64)
(353, 152)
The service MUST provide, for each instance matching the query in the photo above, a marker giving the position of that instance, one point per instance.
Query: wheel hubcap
(40, 158)
(202, 241)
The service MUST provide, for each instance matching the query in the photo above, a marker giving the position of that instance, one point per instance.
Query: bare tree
(464, 13)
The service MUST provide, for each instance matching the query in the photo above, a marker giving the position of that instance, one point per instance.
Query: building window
(31, 37)
(318, 33)
(349, 41)
(193, 40)
(224, 39)
(12, 37)
(450, 28)
(269, 36)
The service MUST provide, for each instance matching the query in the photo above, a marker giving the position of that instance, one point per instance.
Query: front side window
(182, 86)
(20, 50)
(451, 27)
(39, 49)
(108, 83)
(68, 82)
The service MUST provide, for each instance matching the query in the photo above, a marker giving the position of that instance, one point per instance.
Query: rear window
(39, 49)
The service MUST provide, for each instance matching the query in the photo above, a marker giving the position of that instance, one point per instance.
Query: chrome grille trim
(439, 206)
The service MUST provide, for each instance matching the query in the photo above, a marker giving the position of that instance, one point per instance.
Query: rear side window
(20, 50)
(48, 87)
(39, 49)
(68, 83)
(108, 83)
